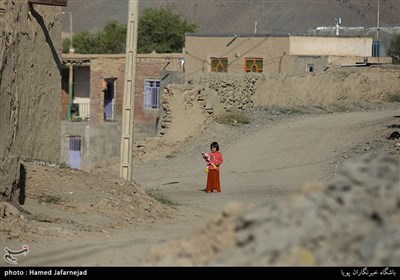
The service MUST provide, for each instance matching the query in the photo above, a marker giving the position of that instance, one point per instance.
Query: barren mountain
(240, 16)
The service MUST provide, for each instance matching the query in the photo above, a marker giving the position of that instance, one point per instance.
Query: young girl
(215, 160)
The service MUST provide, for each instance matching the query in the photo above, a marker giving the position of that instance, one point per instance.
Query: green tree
(66, 45)
(394, 50)
(111, 40)
(162, 30)
(84, 42)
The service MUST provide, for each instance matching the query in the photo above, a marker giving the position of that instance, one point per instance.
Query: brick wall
(147, 67)
(100, 69)
(112, 68)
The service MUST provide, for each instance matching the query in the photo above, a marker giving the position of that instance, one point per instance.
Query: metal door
(74, 153)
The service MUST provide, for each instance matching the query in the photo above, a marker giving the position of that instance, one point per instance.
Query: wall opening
(310, 68)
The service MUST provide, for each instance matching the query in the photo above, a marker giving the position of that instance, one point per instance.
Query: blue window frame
(151, 98)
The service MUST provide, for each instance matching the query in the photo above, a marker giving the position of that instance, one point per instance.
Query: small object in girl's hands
(207, 158)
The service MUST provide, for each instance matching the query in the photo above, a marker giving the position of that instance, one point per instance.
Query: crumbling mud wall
(207, 96)
(212, 94)
(30, 86)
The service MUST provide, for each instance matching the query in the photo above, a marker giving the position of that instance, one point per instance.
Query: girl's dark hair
(214, 145)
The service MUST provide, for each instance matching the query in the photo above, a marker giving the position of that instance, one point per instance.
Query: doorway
(74, 152)
(109, 97)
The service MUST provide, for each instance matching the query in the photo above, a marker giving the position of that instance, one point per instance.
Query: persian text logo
(9, 255)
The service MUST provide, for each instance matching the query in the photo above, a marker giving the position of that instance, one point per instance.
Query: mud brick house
(91, 97)
(274, 54)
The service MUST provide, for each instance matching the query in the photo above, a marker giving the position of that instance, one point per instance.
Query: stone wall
(213, 93)
(30, 67)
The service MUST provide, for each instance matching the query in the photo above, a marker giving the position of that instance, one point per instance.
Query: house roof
(76, 58)
(269, 35)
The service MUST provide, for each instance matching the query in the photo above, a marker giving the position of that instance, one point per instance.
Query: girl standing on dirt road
(215, 160)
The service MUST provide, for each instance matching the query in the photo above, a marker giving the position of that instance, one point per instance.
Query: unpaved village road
(270, 163)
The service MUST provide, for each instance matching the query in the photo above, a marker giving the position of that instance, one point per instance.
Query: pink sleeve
(220, 159)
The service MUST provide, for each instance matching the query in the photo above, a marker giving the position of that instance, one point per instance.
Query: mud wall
(212, 94)
(369, 84)
(30, 86)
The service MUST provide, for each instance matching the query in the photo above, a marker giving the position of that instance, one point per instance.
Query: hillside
(239, 16)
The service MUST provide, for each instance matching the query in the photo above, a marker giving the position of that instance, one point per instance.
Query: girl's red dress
(213, 180)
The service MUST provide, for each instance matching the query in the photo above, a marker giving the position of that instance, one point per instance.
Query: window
(219, 64)
(376, 48)
(310, 68)
(253, 65)
(151, 98)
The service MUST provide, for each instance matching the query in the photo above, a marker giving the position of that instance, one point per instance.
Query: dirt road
(268, 163)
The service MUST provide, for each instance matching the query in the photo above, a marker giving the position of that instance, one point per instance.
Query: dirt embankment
(62, 203)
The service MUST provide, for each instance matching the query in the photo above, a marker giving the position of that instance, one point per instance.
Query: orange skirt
(213, 182)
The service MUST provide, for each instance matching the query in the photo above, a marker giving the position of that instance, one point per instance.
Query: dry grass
(233, 118)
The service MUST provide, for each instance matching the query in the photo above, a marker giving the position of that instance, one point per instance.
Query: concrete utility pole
(377, 33)
(71, 36)
(129, 92)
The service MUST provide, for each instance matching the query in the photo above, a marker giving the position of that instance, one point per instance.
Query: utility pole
(129, 92)
(71, 67)
(377, 25)
(71, 44)
(377, 34)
